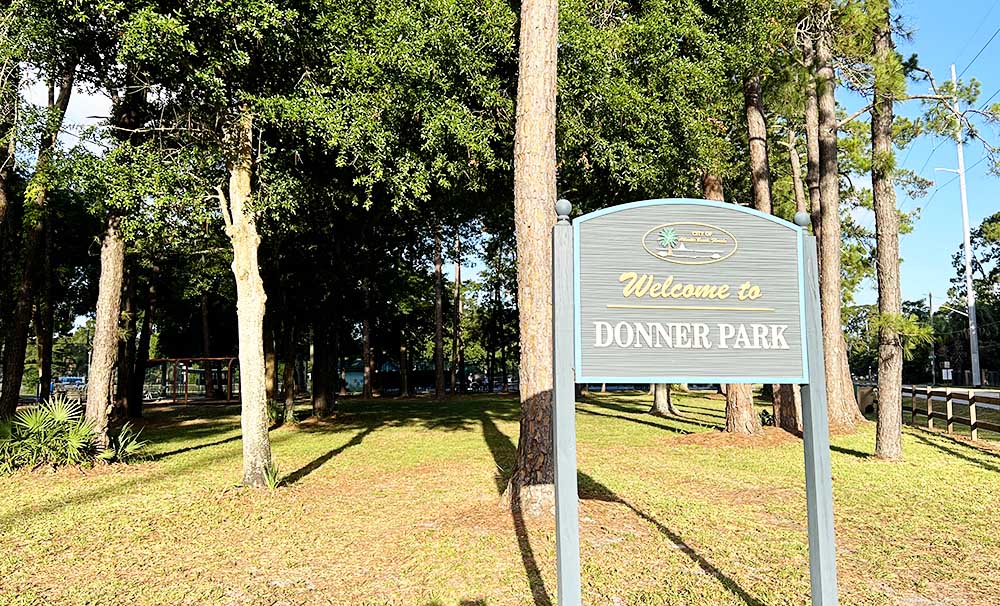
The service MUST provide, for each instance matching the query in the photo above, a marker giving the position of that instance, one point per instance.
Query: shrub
(55, 433)
(766, 418)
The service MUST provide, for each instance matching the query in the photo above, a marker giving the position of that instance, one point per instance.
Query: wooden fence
(948, 395)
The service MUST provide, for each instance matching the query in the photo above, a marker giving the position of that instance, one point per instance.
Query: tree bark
(740, 414)
(438, 317)
(322, 393)
(456, 319)
(270, 359)
(36, 210)
(241, 227)
(367, 389)
(663, 401)
(104, 356)
(137, 387)
(404, 369)
(44, 318)
(888, 432)
(812, 142)
(126, 346)
(788, 409)
(10, 79)
(760, 169)
(531, 485)
(288, 380)
(797, 186)
(843, 408)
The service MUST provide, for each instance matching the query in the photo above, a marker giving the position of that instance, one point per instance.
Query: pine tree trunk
(843, 408)
(531, 485)
(760, 169)
(16, 341)
(788, 409)
(456, 319)
(44, 321)
(241, 227)
(404, 369)
(126, 347)
(812, 143)
(322, 393)
(797, 186)
(138, 383)
(288, 416)
(740, 414)
(270, 359)
(104, 356)
(663, 402)
(438, 317)
(888, 433)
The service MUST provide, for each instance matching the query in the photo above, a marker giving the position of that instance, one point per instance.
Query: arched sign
(687, 291)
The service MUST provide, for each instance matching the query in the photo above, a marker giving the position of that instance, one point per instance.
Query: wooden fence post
(972, 415)
(948, 409)
(930, 408)
(913, 405)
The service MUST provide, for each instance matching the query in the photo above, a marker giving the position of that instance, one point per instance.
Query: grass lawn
(396, 502)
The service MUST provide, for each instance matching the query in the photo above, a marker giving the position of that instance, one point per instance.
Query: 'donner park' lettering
(657, 335)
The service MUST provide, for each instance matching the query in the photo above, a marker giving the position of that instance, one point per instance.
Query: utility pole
(970, 293)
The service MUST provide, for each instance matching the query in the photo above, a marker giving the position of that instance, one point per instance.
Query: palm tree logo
(667, 238)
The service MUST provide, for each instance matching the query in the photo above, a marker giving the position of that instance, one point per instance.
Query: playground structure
(192, 378)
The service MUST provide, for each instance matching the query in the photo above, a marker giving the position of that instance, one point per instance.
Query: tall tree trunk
(797, 186)
(663, 401)
(888, 433)
(44, 310)
(404, 368)
(270, 359)
(843, 408)
(138, 383)
(241, 227)
(456, 319)
(367, 389)
(126, 346)
(740, 414)
(531, 485)
(322, 395)
(289, 376)
(104, 354)
(788, 409)
(10, 82)
(438, 317)
(36, 208)
(812, 141)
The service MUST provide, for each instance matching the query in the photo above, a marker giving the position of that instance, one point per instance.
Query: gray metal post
(564, 410)
(816, 442)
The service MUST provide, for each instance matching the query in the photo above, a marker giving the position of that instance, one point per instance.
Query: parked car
(73, 387)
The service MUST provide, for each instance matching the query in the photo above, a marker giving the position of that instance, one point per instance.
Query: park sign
(688, 291)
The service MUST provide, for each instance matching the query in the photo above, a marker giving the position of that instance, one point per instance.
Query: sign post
(688, 291)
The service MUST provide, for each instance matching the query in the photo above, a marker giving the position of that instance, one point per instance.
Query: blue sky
(944, 33)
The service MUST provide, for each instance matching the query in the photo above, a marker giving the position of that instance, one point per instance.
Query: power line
(980, 52)
(982, 21)
(995, 93)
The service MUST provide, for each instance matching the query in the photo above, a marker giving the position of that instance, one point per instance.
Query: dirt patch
(769, 437)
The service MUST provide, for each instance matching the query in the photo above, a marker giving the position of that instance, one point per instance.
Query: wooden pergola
(208, 364)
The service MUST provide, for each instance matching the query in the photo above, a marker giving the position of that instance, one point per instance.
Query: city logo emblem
(689, 243)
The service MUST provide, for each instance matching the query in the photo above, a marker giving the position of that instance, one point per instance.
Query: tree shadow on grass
(504, 452)
(164, 455)
(321, 460)
(590, 488)
(850, 452)
(958, 453)
(639, 421)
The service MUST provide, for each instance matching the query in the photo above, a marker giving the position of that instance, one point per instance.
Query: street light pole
(970, 293)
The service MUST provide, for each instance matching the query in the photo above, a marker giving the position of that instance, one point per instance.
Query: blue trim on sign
(577, 332)
(734, 380)
(672, 201)
(803, 329)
